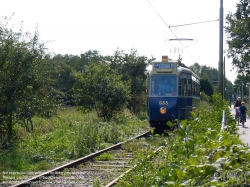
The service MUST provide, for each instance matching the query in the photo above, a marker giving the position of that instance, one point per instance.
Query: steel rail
(112, 183)
(75, 162)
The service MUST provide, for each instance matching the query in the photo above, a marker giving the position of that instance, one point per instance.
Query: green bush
(198, 153)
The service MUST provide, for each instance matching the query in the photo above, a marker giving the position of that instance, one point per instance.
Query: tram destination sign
(164, 65)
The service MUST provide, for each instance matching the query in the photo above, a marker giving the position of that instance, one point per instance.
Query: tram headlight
(163, 110)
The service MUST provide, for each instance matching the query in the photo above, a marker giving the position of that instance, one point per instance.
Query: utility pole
(224, 79)
(220, 66)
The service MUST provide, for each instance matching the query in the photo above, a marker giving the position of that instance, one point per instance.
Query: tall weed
(68, 136)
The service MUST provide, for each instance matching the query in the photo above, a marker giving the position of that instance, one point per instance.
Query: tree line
(35, 82)
(237, 29)
(238, 41)
(209, 81)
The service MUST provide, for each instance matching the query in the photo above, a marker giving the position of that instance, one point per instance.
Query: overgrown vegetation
(66, 137)
(199, 153)
(25, 81)
(105, 157)
(35, 83)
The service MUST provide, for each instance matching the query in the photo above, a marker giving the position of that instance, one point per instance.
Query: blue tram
(173, 92)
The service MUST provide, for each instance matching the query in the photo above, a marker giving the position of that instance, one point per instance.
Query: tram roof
(169, 67)
(186, 70)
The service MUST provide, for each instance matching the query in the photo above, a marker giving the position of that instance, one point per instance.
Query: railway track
(103, 168)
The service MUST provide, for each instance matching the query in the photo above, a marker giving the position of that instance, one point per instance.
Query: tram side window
(189, 87)
(186, 88)
(180, 86)
(193, 88)
(154, 87)
(197, 90)
(183, 87)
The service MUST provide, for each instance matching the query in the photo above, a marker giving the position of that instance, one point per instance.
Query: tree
(25, 80)
(66, 66)
(238, 31)
(101, 88)
(132, 67)
(88, 57)
(211, 73)
(64, 77)
(196, 68)
(240, 85)
(206, 86)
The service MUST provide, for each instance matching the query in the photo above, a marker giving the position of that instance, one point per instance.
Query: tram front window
(163, 85)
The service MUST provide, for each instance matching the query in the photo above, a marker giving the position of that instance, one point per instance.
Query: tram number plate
(163, 102)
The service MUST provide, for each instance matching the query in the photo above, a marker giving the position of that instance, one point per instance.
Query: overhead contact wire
(193, 23)
(169, 27)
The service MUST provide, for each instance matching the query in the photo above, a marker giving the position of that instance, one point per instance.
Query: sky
(77, 26)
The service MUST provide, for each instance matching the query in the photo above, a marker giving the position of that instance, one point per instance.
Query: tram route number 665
(163, 102)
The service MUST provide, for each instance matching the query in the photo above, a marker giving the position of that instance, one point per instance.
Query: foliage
(25, 80)
(209, 77)
(63, 78)
(198, 153)
(205, 97)
(240, 86)
(238, 30)
(60, 139)
(206, 86)
(196, 68)
(132, 68)
(100, 87)
(87, 58)
(105, 157)
(66, 65)
(205, 71)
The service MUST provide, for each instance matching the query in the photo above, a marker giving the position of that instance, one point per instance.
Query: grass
(66, 137)
(105, 157)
